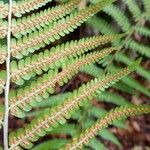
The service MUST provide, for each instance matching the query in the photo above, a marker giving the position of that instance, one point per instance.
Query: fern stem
(6, 113)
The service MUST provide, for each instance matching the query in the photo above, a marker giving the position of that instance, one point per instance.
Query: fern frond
(2, 53)
(51, 117)
(2, 80)
(142, 49)
(119, 17)
(41, 19)
(3, 28)
(23, 100)
(4, 10)
(29, 67)
(133, 7)
(25, 6)
(143, 31)
(1, 115)
(114, 114)
(36, 40)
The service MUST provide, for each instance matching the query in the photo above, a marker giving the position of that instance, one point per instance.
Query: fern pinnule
(2, 80)
(2, 53)
(23, 100)
(115, 114)
(26, 68)
(36, 40)
(4, 10)
(51, 117)
(3, 29)
(41, 19)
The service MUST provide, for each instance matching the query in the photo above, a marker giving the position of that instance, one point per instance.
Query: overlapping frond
(36, 40)
(41, 19)
(23, 99)
(51, 117)
(29, 67)
(115, 114)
